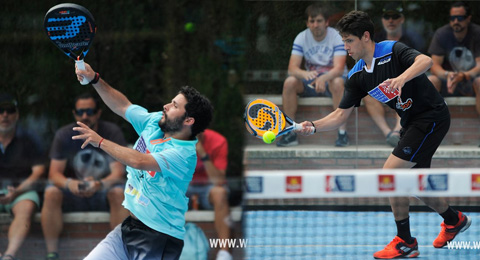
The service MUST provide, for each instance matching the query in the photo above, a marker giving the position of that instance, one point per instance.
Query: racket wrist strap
(96, 78)
(314, 128)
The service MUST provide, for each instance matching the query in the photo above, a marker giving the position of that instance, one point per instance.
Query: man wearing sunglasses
(455, 50)
(392, 21)
(82, 179)
(21, 165)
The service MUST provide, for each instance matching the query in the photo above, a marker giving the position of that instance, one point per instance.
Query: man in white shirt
(322, 50)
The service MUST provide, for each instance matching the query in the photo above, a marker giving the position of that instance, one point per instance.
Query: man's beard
(172, 126)
(458, 28)
(7, 129)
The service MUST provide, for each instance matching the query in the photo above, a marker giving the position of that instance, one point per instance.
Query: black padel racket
(71, 28)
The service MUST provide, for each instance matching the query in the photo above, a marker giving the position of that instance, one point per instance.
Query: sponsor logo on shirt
(141, 145)
(140, 199)
(381, 94)
(384, 60)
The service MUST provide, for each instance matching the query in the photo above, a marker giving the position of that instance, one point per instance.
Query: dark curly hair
(198, 107)
(355, 23)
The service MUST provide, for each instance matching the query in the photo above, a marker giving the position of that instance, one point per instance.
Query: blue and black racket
(71, 28)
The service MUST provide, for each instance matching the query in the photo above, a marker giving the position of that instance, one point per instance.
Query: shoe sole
(467, 225)
(412, 254)
(469, 222)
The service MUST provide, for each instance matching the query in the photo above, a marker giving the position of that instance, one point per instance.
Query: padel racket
(262, 115)
(71, 28)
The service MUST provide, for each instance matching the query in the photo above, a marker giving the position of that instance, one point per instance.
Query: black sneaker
(289, 139)
(342, 140)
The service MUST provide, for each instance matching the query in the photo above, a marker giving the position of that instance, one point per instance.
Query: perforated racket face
(262, 115)
(71, 28)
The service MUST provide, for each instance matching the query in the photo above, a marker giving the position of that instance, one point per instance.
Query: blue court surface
(346, 235)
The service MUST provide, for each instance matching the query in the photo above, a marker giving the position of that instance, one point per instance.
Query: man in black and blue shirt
(394, 74)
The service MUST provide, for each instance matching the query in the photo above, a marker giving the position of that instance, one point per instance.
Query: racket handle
(81, 66)
(299, 127)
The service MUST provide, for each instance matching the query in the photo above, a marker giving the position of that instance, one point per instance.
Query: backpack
(195, 243)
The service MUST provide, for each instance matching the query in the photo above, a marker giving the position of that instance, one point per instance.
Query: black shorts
(419, 141)
(142, 242)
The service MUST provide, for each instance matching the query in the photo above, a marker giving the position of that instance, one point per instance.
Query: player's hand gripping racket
(262, 115)
(71, 28)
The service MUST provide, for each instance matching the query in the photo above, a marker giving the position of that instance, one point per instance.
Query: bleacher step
(268, 157)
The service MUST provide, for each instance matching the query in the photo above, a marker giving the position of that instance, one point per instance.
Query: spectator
(82, 179)
(209, 184)
(392, 21)
(321, 48)
(455, 50)
(21, 166)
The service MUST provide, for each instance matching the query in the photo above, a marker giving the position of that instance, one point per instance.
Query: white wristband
(67, 182)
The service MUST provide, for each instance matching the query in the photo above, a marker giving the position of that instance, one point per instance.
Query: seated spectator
(392, 21)
(455, 50)
(320, 47)
(208, 187)
(82, 179)
(21, 166)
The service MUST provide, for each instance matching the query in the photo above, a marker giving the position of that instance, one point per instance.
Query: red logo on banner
(294, 184)
(386, 182)
(422, 182)
(330, 181)
(475, 181)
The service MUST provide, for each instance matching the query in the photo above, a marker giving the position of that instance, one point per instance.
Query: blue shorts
(97, 202)
(310, 91)
(203, 192)
(463, 89)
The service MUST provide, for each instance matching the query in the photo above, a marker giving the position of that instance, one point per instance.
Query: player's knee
(218, 195)
(369, 101)
(476, 85)
(24, 209)
(52, 195)
(336, 86)
(115, 195)
(291, 83)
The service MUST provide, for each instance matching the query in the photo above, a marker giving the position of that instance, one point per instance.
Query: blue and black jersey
(419, 100)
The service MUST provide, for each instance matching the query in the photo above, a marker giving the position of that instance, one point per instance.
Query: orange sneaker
(449, 232)
(398, 248)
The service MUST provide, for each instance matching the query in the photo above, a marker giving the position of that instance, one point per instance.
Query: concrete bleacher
(369, 150)
(84, 230)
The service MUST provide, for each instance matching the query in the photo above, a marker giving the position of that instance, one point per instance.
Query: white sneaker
(224, 255)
